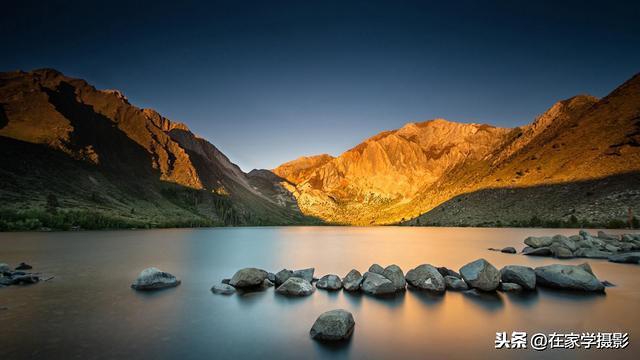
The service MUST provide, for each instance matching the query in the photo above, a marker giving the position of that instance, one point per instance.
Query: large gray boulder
(538, 241)
(377, 269)
(333, 325)
(521, 275)
(306, 274)
(565, 242)
(591, 253)
(295, 286)
(448, 272)
(481, 275)
(376, 284)
(223, 289)
(426, 277)
(154, 279)
(569, 277)
(248, 278)
(395, 274)
(282, 276)
(628, 258)
(560, 251)
(455, 284)
(329, 282)
(352, 281)
(605, 236)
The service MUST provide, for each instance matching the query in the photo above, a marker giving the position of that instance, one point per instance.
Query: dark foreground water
(89, 311)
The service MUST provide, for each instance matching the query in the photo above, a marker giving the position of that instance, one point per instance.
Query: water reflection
(89, 311)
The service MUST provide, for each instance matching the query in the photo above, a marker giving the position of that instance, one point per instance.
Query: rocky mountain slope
(579, 160)
(70, 149)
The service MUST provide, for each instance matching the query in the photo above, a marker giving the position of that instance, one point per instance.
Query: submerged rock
(521, 275)
(333, 325)
(295, 286)
(248, 278)
(377, 269)
(569, 277)
(508, 250)
(628, 258)
(154, 279)
(395, 274)
(480, 274)
(510, 287)
(223, 289)
(24, 266)
(329, 282)
(426, 277)
(352, 281)
(455, 284)
(376, 284)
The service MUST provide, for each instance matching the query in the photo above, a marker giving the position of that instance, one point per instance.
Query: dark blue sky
(269, 81)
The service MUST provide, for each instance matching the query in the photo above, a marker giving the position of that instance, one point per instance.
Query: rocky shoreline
(624, 248)
(19, 275)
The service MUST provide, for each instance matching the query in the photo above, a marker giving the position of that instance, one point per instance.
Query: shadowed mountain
(129, 166)
(399, 175)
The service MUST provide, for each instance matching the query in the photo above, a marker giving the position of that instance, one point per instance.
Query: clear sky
(268, 81)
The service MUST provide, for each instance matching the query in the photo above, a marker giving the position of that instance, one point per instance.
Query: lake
(89, 311)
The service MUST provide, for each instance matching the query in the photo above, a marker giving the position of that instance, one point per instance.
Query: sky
(269, 81)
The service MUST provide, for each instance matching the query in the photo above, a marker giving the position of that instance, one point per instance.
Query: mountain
(70, 150)
(577, 162)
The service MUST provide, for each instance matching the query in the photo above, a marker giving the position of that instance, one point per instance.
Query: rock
(153, 278)
(448, 272)
(564, 241)
(5, 280)
(481, 275)
(4, 268)
(627, 238)
(377, 269)
(271, 277)
(248, 278)
(295, 286)
(376, 284)
(560, 251)
(611, 248)
(226, 281)
(24, 266)
(306, 274)
(24, 279)
(508, 250)
(527, 249)
(569, 277)
(584, 234)
(455, 284)
(628, 258)
(329, 282)
(606, 283)
(543, 251)
(426, 277)
(352, 281)
(603, 235)
(510, 287)
(521, 275)
(538, 241)
(592, 253)
(493, 249)
(282, 276)
(333, 325)
(575, 238)
(395, 274)
(267, 283)
(223, 289)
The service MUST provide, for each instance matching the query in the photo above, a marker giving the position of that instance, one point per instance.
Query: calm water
(89, 311)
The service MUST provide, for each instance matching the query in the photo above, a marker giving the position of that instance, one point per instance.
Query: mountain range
(73, 155)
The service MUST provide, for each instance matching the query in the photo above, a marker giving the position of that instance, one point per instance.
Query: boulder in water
(376, 284)
(521, 275)
(329, 282)
(333, 325)
(248, 278)
(426, 277)
(352, 281)
(395, 274)
(569, 277)
(154, 279)
(480, 274)
(295, 286)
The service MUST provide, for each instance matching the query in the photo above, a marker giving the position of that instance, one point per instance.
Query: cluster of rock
(18, 275)
(616, 248)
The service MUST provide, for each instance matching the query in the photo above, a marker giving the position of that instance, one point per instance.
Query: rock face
(352, 280)
(629, 258)
(248, 278)
(521, 275)
(426, 277)
(223, 289)
(154, 279)
(295, 286)
(395, 274)
(376, 284)
(455, 284)
(333, 325)
(329, 282)
(375, 268)
(481, 275)
(568, 277)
